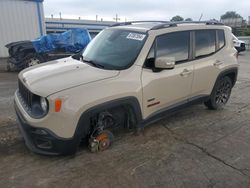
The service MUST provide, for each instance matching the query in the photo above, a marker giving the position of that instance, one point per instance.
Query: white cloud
(144, 9)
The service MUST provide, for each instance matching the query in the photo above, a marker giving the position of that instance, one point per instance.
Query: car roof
(145, 26)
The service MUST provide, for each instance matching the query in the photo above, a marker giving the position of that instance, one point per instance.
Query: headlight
(44, 104)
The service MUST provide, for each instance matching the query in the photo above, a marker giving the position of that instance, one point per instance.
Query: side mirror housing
(165, 63)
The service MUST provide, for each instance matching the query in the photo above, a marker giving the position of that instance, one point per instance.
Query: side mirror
(165, 63)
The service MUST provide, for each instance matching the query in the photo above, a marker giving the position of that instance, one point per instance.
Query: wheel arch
(232, 73)
(83, 125)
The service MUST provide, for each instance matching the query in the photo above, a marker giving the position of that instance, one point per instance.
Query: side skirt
(170, 110)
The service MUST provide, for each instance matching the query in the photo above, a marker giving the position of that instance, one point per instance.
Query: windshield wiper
(93, 63)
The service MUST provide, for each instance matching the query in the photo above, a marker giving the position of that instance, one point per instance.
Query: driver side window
(174, 45)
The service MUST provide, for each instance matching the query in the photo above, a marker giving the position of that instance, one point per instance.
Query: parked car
(239, 44)
(23, 54)
(130, 75)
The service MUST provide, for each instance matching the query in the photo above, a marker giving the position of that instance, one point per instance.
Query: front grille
(242, 45)
(25, 94)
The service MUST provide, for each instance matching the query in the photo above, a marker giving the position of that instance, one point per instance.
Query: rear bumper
(43, 141)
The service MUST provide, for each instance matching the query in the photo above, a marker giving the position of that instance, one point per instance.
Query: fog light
(43, 144)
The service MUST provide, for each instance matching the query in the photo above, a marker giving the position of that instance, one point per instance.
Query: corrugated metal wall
(19, 20)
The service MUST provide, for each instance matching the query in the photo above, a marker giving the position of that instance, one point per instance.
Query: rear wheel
(220, 94)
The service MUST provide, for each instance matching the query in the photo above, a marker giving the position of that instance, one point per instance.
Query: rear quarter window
(221, 38)
(205, 42)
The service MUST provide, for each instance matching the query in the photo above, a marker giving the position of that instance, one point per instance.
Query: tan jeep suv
(130, 75)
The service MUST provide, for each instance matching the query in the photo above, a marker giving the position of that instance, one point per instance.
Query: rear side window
(221, 38)
(173, 45)
(205, 42)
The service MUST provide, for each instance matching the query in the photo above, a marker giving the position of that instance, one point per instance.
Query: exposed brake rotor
(101, 139)
(101, 142)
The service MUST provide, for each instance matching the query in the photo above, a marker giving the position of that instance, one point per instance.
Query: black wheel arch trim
(226, 72)
(83, 124)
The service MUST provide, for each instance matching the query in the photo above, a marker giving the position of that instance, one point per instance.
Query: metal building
(57, 25)
(20, 20)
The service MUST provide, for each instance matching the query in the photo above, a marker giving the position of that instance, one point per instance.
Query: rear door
(207, 62)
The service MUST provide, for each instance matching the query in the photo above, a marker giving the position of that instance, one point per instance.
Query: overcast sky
(144, 9)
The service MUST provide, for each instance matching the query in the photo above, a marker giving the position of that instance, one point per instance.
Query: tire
(220, 94)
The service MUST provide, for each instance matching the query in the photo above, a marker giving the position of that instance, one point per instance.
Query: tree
(246, 32)
(176, 19)
(230, 14)
(188, 19)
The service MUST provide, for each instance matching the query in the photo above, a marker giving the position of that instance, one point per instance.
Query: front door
(163, 88)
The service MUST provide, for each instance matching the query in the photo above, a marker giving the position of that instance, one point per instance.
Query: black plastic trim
(227, 72)
(83, 126)
(165, 112)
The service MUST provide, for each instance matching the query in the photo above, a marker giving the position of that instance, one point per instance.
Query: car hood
(241, 41)
(58, 75)
(238, 41)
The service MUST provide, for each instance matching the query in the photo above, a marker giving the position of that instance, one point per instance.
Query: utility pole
(201, 16)
(60, 15)
(96, 17)
(52, 16)
(116, 18)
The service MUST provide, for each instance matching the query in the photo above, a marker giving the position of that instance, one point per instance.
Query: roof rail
(132, 22)
(165, 24)
(173, 24)
(200, 22)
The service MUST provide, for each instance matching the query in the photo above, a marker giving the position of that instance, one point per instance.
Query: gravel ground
(194, 148)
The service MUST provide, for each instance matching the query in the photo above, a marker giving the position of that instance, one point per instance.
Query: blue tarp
(71, 41)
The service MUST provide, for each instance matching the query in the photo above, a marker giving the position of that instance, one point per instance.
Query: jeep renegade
(129, 75)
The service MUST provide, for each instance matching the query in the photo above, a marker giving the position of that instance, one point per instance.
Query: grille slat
(26, 95)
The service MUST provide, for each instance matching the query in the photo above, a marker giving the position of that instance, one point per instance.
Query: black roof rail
(132, 22)
(173, 24)
(200, 22)
(165, 24)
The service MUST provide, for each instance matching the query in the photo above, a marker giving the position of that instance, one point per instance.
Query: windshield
(114, 48)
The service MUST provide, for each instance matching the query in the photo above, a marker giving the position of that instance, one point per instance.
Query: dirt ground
(193, 148)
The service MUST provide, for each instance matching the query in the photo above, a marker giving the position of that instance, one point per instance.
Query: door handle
(186, 72)
(217, 63)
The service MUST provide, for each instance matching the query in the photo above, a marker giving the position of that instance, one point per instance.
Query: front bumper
(43, 141)
(241, 48)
